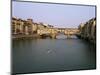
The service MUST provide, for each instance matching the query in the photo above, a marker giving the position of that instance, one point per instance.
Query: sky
(58, 15)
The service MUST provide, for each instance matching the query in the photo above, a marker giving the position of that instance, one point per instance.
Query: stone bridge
(53, 32)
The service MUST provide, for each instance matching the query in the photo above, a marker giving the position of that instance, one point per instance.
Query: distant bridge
(53, 32)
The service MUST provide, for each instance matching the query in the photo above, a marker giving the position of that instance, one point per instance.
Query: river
(47, 55)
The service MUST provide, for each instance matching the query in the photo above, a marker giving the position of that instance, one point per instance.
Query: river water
(47, 55)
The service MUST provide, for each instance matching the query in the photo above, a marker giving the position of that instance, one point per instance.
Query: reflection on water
(61, 36)
(40, 55)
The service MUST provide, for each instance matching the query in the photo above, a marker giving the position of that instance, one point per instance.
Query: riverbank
(25, 36)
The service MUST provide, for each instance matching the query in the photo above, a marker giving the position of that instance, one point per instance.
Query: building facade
(88, 30)
(27, 27)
